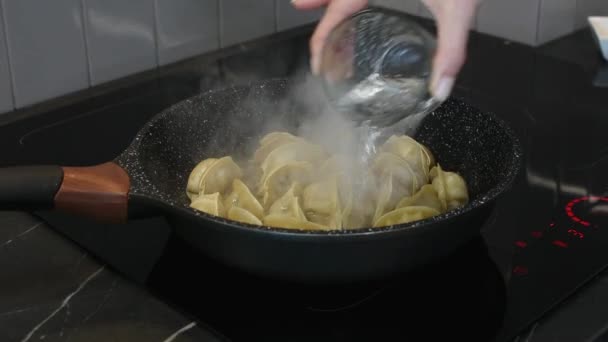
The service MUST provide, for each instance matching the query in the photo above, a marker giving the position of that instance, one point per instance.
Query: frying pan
(149, 179)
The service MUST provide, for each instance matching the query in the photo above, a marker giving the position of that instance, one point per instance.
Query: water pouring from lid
(376, 68)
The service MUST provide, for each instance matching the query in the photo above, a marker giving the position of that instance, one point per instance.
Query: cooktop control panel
(552, 262)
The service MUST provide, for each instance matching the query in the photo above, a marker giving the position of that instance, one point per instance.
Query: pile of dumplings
(292, 183)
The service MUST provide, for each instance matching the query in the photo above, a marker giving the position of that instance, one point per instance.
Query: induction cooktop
(546, 241)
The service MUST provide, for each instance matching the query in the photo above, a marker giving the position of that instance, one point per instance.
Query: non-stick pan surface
(150, 177)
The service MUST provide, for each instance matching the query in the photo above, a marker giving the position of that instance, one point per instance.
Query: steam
(336, 130)
(304, 110)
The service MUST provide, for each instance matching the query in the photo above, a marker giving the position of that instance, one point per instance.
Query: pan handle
(99, 192)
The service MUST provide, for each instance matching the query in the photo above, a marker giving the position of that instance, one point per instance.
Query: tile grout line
(220, 31)
(85, 37)
(9, 59)
(156, 33)
(539, 18)
(276, 15)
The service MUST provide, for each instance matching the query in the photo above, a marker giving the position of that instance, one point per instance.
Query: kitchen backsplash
(53, 48)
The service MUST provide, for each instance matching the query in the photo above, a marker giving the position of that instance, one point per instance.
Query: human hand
(336, 12)
(454, 19)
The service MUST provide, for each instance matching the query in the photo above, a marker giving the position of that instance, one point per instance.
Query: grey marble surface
(51, 290)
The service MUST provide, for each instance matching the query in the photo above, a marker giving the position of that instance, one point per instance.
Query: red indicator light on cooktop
(520, 270)
(536, 234)
(570, 208)
(560, 243)
(521, 244)
(576, 233)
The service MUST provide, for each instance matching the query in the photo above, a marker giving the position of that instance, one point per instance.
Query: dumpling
(242, 215)
(405, 179)
(406, 147)
(300, 151)
(426, 196)
(451, 188)
(194, 180)
(210, 204)
(279, 181)
(289, 204)
(219, 176)
(241, 197)
(272, 137)
(321, 197)
(288, 222)
(357, 196)
(271, 142)
(337, 165)
(290, 182)
(405, 215)
(386, 197)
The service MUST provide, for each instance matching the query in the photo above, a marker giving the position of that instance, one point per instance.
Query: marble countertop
(51, 290)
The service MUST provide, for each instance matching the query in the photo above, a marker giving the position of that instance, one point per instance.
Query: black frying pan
(149, 178)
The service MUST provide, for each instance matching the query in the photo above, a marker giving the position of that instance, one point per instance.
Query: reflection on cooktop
(465, 296)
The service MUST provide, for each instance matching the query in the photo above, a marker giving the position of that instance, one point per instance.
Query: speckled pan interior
(230, 121)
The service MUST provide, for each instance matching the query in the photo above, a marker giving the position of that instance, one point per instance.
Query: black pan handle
(29, 187)
(99, 192)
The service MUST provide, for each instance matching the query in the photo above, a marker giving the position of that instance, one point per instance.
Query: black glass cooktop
(466, 293)
(546, 240)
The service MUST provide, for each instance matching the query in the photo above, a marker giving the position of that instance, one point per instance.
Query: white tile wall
(288, 17)
(514, 20)
(243, 20)
(424, 11)
(46, 48)
(585, 8)
(57, 47)
(6, 91)
(186, 28)
(557, 17)
(120, 38)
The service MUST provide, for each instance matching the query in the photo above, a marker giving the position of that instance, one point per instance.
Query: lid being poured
(376, 67)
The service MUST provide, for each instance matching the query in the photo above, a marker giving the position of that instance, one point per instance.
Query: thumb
(454, 20)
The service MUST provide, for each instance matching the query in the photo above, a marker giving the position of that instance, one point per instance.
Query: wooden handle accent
(99, 192)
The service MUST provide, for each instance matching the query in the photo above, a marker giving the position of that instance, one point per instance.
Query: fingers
(337, 10)
(454, 20)
(309, 4)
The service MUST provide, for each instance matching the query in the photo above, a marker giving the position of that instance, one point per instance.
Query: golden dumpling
(289, 222)
(405, 215)
(411, 150)
(241, 197)
(321, 203)
(451, 188)
(386, 197)
(358, 209)
(299, 151)
(426, 197)
(406, 180)
(349, 205)
(243, 215)
(270, 142)
(289, 204)
(219, 176)
(321, 197)
(210, 204)
(289, 182)
(337, 165)
(272, 137)
(194, 180)
(279, 181)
